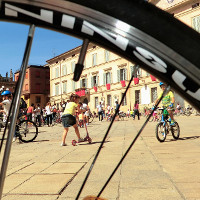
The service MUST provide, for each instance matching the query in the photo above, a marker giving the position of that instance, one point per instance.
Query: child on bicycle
(69, 119)
(168, 102)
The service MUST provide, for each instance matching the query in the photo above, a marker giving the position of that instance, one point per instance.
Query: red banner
(153, 78)
(136, 81)
(108, 86)
(123, 83)
(82, 93)
(95, 88)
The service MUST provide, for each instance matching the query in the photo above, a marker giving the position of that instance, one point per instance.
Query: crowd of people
(74, 113)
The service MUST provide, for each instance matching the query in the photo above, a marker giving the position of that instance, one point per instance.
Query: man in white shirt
(100, 111)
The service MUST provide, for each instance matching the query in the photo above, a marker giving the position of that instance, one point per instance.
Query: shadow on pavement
(184, 138)
(87, 143)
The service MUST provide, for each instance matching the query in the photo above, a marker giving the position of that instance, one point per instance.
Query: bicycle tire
(143, 40)
(160, 126)
(27, 134)
(177, 129)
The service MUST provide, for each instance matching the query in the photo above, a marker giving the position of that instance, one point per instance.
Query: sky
(46, 45)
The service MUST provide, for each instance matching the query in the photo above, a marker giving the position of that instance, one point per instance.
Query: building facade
(104, 79)
(7, 83)
(36, 88)
(187, 11)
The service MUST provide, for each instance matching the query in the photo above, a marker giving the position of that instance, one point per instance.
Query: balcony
(82, 91)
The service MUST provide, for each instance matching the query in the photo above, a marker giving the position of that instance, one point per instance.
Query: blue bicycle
(163, 127)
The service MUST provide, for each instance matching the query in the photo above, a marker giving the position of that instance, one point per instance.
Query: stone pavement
(43, 170)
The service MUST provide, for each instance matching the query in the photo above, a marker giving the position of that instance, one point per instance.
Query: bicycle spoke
(134, 140)
(79, 66)
(105, 136)
(15, 107)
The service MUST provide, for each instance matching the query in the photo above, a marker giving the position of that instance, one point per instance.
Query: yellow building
(187, 11)
(104, 78)
(105, 73)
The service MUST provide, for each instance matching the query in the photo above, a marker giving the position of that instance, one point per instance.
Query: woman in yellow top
(167, 102)
(69, 119)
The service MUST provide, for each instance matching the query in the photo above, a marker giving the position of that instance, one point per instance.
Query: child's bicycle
(163, 127)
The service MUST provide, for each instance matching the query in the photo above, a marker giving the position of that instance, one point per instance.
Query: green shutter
(118, 75)
(92, 81)
(125, 74)
(104, 79)
(97, 78)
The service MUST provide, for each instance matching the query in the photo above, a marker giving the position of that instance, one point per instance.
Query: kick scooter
(87, 138)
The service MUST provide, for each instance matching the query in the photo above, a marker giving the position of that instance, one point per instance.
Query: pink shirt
(30, 109)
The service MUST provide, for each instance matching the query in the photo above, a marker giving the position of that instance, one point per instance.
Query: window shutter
(132, 70)
(109, 79)
(92, 81)
(104, 79)
(63, 73)
(118, 75)
(73, 86)
(125, 74)
(97, 80)
(81, 83)
(86, 83)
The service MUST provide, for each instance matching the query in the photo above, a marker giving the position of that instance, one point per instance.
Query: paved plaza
(44, 170)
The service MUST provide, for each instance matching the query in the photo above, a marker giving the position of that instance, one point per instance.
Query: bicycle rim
(160, 132)
(175, 130)
(123, 33)
(28, 131)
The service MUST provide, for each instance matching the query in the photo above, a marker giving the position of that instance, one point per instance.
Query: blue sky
(46, 45)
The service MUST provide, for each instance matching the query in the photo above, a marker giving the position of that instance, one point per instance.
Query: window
(64, 70)
(107, 78)
(96, 102)
(26, 87)
(57, 89)
(153, 94)
(137, 96)
(139, 72)
(37, 74)
(37, 99)
(196, 23)
(122, 74)
(83, 83)
(64, 87)
(57, 72)
(73, 66)
(109, 100)
(94, 81)
(124, 103)
(107, 55)
(26, 75)
(94, 59)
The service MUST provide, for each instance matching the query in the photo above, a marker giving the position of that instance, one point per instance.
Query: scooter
(87, 138)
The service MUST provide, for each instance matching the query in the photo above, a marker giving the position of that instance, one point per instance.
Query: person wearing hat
(7, 99)
(168, 102)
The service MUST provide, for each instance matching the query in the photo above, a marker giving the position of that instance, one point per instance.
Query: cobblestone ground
(152, 170)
